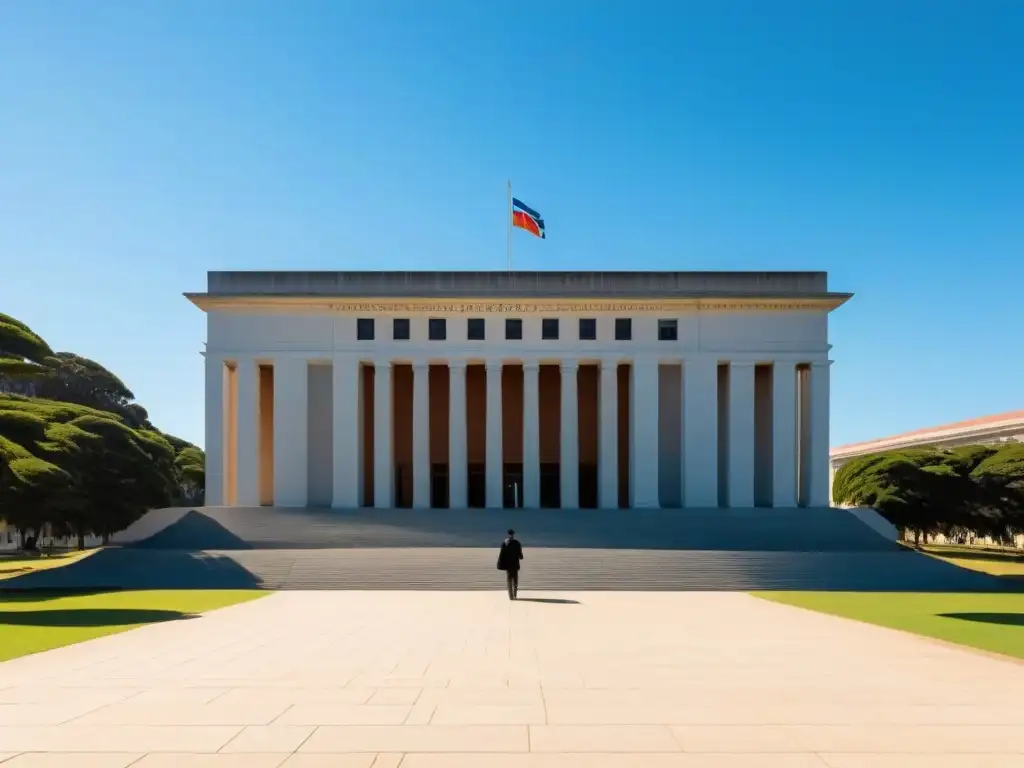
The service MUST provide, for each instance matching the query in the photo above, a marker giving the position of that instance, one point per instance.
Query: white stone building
(535, 389)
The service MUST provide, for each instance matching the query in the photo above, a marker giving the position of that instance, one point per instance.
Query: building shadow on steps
(548, 600)
(1006, 619)
(125, 568)
(194, 531)
(89, 617)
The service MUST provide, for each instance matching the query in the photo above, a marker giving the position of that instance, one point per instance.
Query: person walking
(508, 561)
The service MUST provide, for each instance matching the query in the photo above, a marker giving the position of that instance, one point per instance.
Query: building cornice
(937, 437)
(285, 304)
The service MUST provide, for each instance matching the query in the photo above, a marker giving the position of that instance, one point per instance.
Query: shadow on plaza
(89, 617)
(1005, 619)
(548, 600)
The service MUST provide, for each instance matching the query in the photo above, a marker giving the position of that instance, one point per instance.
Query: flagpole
(510, 226)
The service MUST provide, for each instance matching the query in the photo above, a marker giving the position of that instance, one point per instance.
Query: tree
(923, 491)
(80, 469)
(77, 452)
(23, 354)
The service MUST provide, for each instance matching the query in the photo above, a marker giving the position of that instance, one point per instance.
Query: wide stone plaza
(431, 679)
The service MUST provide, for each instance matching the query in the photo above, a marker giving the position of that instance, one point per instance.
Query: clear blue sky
(143, 143)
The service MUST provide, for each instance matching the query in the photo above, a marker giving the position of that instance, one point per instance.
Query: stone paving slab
(432, 680)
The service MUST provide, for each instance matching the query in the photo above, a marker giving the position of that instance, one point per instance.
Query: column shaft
(608, 437)
(495, 471)
(248, 434)
(821, 480)
(421, 436)
(347, 437)
(215, 431)
(741, 434)
(457, 458)
(531, 435)
(700, 432)
(784, 434)
(570, 453)
(291, 427)
(644, 415)
(383, 469)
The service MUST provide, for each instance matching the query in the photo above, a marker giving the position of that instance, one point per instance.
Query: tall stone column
(570, 455)
(495, 472)
(383, 465)
(700, 432)
(608, 436)
(291, 427)
(741, 434)
(458, 467)
(531, 435)
(215, 431)
(248, 433)
(643, 421)
(347, 439)
(784, 434)
(821, 479)
(421, 436)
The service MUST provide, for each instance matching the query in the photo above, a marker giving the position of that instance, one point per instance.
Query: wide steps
(756, 530)
(545, 569)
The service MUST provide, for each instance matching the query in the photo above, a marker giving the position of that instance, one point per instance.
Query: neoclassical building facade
(517, 389)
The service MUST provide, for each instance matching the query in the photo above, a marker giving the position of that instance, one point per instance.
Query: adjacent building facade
(518, 389)
(985, 430)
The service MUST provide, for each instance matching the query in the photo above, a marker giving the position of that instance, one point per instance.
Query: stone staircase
(755, 529)
(584, 550)
(545, 569)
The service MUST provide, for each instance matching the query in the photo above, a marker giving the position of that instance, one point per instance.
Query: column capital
(494, 365)
(568, 363)
(382, 366)
(531, 365)
(420, 365)
(742, 363)
(457, 364)
(821, 363)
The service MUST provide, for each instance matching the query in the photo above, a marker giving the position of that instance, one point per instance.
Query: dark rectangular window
(364, 329)
(513, 329)
(588, 329)
(401, 329)
(437, 329)
(668, 330)
(475, 329)
(549, 328)
(623, 328)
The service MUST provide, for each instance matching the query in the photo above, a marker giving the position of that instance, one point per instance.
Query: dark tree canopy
(977, 488)
(77, 452)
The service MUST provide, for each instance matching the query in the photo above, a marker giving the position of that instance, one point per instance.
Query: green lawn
(991, 622)
(997, 562)
(34, 622)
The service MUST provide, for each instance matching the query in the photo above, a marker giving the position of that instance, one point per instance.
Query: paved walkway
(432, 680)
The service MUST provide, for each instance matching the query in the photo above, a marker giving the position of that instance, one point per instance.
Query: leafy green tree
(23, 354)
(77, 379)
(924, 491)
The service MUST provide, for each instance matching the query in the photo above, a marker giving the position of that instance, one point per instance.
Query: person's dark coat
(510, 555)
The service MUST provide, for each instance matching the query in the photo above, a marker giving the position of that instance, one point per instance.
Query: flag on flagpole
(524, 217)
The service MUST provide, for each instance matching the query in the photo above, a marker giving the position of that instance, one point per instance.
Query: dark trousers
(512, 579)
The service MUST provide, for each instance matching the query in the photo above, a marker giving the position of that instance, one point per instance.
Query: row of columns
(699, 455)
